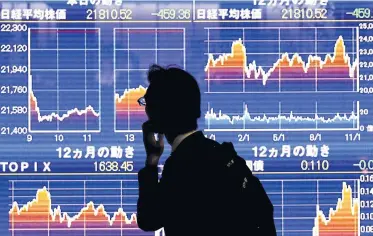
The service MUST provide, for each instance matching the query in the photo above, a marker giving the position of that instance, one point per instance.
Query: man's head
(173, 100)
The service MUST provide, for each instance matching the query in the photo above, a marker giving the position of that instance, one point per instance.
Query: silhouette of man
(206, 188)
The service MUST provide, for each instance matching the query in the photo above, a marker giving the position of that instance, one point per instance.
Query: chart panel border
(29, 76)
(115, 69)
(355, 29)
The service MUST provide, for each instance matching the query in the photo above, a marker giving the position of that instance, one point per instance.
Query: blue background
(293, 212)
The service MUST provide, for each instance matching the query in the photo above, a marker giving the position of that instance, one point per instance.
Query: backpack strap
(255, 201)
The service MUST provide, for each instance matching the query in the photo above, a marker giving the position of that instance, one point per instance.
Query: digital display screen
(288, 82)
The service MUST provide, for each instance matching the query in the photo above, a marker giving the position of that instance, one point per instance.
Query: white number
(59, 137)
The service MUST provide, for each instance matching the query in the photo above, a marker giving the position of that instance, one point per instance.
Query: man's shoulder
(206, 155)
(191, 158)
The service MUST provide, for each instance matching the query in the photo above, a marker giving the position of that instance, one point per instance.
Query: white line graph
(266, 54)
(216, 120)
(132, 57)
(296, 207)
(83, 194)
(291, 203)
(50, 63)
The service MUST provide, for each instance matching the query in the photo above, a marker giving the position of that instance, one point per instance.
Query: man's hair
(174, 95)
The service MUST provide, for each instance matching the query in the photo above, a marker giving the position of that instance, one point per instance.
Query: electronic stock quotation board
(289, 82)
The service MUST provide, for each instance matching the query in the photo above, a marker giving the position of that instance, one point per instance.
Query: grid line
(128, 48)
(57, 91)
(279, 85)
(283, 186)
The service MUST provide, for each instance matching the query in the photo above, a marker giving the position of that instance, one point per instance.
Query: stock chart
(289, 83)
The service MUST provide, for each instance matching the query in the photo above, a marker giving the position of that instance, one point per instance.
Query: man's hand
(154, 148)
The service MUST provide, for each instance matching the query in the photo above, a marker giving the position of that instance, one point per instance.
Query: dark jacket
(194, 196)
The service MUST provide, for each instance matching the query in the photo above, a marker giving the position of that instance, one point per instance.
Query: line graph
(135, 49)
(343, 219)
(100, 207)
(282, 60)
(283, 116)
(64, 90)
(322, 207)
(95, 207)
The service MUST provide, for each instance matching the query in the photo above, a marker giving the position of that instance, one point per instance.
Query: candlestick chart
(135, 50)
(252, 60)
(64, 91)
